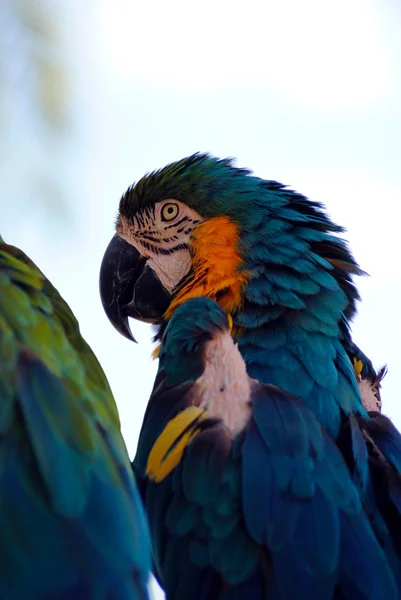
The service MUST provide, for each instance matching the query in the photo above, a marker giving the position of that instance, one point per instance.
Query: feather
(206, 459)
(170, 445)
(71, 521)
(310, 481)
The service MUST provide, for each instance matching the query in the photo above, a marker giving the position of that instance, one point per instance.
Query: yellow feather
(169, 447)
(155, 352)
(357, 367)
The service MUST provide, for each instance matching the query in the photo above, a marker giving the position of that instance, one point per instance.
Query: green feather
(71, 522)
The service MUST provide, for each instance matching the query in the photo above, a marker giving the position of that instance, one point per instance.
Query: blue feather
(71, 521)
(295, 496)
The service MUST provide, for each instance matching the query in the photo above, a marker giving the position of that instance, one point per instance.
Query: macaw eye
(169, 211)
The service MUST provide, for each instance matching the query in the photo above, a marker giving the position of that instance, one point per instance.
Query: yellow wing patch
(169, 447)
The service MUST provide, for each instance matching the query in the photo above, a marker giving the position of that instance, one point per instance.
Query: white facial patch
(224, 388)
(171, 269)
(161, 233)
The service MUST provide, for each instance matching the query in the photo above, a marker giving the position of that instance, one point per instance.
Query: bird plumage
(262, 512)
(369, 380)
(71, 520)
(276, 264)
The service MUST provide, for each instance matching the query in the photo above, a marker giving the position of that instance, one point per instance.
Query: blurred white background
(96, 93)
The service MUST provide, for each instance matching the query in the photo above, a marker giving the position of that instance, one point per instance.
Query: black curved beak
(129, 287)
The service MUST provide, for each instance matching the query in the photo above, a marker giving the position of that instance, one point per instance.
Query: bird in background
(72, 525)
(369, 380)
(283, 484)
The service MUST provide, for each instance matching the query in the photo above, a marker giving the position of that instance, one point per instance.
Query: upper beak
(129, 287)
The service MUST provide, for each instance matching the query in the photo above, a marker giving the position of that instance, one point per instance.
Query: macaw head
(202, 227)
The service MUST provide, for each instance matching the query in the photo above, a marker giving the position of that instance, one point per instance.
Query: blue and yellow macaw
(279, 482)
(72, 525)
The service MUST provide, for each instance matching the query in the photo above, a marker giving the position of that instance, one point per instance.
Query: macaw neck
(216, 267)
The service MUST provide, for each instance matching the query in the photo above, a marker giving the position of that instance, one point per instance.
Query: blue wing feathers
(289, 584)
(386, 437)
(163, 406)
(286, 506)
(181, 516)
(71, 520)
(296, 500)
(363, 564)
(258, 477)
(44, 401)
(205, 460)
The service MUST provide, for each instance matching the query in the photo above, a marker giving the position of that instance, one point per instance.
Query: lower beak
(129, 287)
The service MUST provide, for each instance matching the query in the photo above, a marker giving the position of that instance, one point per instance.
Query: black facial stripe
(178, 223)
(145, 217)
(174, 249)
(146, 232)
(148, 212)
(164, 251)
(150, 238)
(139, 218)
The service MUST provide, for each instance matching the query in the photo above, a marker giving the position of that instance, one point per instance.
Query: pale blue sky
(307, 93)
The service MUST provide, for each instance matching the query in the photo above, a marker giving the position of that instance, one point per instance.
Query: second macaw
(72, 525)
(369, 380)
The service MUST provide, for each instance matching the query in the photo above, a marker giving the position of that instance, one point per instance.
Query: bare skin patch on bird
(222, 392)
(369, 388)
(224, 388)
(215, 266)
(162, 237)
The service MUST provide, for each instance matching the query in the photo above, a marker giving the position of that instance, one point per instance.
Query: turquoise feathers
(304, 495)
(71, 521)
(262, 514)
